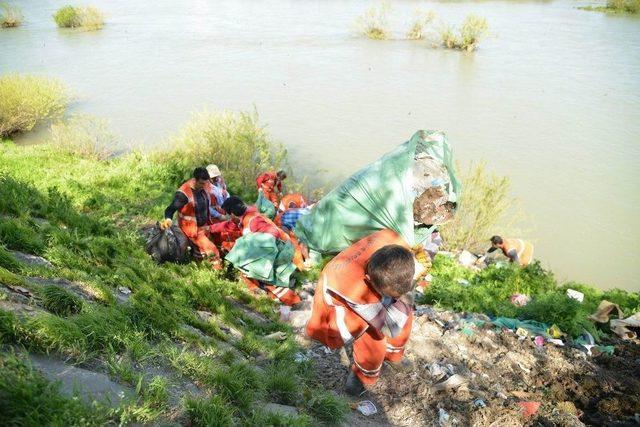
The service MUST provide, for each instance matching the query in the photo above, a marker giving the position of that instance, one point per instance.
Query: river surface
(551, 99)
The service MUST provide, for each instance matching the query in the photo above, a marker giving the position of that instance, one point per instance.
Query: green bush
(473, 28)
(485, 209)
(625, 6)
(421, 20)
(87, 17)
(27, 100)
(11, 16)
(84, 136)
(209, 412)
(67, 17)
(60, 301)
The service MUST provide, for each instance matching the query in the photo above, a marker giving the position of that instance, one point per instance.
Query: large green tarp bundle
(378, 196)
(260, 256)
(265, 207)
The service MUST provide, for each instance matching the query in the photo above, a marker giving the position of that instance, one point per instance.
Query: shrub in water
(60, 301)
(67, 17)
(468, 36)
(11, 16)
(91, 19)
(422, 19)
(373, 24)
(27, 100)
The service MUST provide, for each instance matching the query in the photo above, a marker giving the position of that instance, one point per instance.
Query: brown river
(551, 98)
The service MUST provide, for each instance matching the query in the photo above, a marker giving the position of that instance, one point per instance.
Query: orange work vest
(522, 247)
(187, 214)
(342, 279)
(295, 198)
(253, 213)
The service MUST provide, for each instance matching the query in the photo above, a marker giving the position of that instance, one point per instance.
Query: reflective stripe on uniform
(368, 372)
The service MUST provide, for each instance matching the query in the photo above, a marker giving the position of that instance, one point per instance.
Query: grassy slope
(93, 212)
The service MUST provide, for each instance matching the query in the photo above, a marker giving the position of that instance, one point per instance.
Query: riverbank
(152, 335)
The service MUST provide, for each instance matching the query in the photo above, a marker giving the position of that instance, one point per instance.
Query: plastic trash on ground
(170, 245)
(367, 408)
(539, 340)
(443, 417)
(467, 259)
(520, 300)
(529, 408)
(578, 296)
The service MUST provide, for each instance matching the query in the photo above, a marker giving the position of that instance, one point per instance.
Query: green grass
(327, 407)
(10, 16)
(468, 35)
(86, 17)
(489, 292)
(60, 301)
(27, 398)
(28, 100)
(209, 412)
(84, 136)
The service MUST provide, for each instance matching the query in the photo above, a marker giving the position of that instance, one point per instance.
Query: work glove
(165, 223)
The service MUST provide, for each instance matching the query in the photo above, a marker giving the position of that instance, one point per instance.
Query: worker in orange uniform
(358, 297)
(517, 250)
(192, 201)
(249, 220)
(270, 183)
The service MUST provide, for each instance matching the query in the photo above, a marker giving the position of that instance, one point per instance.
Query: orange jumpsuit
(199, 236)
(253, 222)
(345, 308)
(270, 185)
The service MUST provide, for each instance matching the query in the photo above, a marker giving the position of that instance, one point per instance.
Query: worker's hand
(165, 223)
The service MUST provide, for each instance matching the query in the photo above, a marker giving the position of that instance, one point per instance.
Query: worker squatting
(363, 295)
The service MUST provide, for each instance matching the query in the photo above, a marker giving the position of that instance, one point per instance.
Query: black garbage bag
(170, 245)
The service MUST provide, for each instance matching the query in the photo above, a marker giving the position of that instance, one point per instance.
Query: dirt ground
(498, 371)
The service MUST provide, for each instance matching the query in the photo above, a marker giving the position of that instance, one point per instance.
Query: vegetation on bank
(488, 291)
(28, 100)
(10, 16)
(467, 36)
(631, 7)
(86, 17)
(84, 215)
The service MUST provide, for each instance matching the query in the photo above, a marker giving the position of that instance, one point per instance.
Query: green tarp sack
(260, 256)
(265, 207)
(376, 197)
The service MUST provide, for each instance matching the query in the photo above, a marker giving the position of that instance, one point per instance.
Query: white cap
(213, 171)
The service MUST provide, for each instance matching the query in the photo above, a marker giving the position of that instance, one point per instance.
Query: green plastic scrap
(531, 326)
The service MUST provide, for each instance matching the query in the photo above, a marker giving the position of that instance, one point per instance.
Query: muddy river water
(550, 99)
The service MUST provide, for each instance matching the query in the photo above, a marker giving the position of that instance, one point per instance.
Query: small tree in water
(473, 28)
(373, 24)
(421, 20)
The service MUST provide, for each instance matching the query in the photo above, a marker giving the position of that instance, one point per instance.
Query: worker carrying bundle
(264, 254)
(414, 185)
(359, 298)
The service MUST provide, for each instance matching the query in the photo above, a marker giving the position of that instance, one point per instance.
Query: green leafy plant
(67, 17)
(87, 17)
(28, 100)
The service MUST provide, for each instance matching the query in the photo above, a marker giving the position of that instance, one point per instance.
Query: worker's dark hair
(392, 267)
(201, 174)
(496, 240)
(234, 205)
(282, 174)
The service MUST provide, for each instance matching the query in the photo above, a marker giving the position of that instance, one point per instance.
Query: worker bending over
(192, 201)
(517, 250)
(270, 183)
(357, 299)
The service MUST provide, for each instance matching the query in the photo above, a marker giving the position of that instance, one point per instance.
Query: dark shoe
(354, 386)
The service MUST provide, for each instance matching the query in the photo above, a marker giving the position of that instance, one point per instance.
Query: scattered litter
(367, 408)
(437, 371)
(300, 357)
(124, 290)
(443, 416)
(285, 311)
(539, 340)
(578, 296)
(452, 383)
(520, 300)
(621, 326)
(602, 349)
(450, 369)
(467, 259)
(556, 342)
(424, 310)
(501, 395)
(278, 336)
(326, 350)
(529, 408)
(463, 282)
(479, 403)
(522, 333)
(555, 332)
(604, 311)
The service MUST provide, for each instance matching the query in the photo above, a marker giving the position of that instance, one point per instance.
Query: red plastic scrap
(529, 408)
